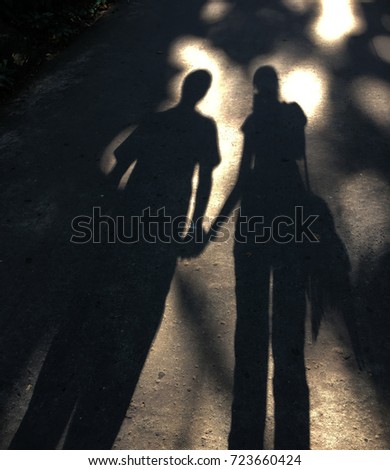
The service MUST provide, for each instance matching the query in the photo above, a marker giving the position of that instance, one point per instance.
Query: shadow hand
(194, 244)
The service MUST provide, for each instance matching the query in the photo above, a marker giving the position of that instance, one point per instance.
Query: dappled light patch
(307, 86)
(189, 53)
(305, 81)
(372, 96)
(337, 20)
(365, 214)
(107, 161)
(215, 10)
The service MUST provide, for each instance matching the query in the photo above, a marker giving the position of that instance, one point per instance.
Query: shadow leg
(291, 393)
(251, 355)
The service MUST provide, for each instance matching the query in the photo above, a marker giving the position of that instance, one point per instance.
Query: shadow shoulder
(248, 124)
(295, 113)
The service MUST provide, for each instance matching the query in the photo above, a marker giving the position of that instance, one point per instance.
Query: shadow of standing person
(278, 262)
(270, 274)
(93, 365)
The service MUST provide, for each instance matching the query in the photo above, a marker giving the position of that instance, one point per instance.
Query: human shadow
(93, 365)
(286, 252)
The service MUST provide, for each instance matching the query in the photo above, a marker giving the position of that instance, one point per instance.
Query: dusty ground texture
(108, 346)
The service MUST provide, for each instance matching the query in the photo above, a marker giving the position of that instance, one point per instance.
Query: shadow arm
(203, 193)
(125, 155)
(242, 182)
(206, 167)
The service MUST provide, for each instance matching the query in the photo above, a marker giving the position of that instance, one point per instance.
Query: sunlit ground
(372, 97)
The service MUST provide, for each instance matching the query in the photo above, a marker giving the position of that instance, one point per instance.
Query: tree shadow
(251, 28)
(93, 365)
(287, 256)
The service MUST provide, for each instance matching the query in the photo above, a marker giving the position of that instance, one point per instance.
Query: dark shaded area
(90, 372)
(274, 275)
(372, 294)
(33, 31)
(253, 28)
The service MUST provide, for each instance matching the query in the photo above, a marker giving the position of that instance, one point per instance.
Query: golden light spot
(382, 47)
(372, 97)
(304, 81)
(223, 102)
(337, 20)
(306, 86)
(215, 10)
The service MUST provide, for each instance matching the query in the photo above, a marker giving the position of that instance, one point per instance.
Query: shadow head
(266, 82)
(195, 87)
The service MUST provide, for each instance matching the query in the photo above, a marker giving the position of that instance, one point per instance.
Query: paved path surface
(133, 347)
